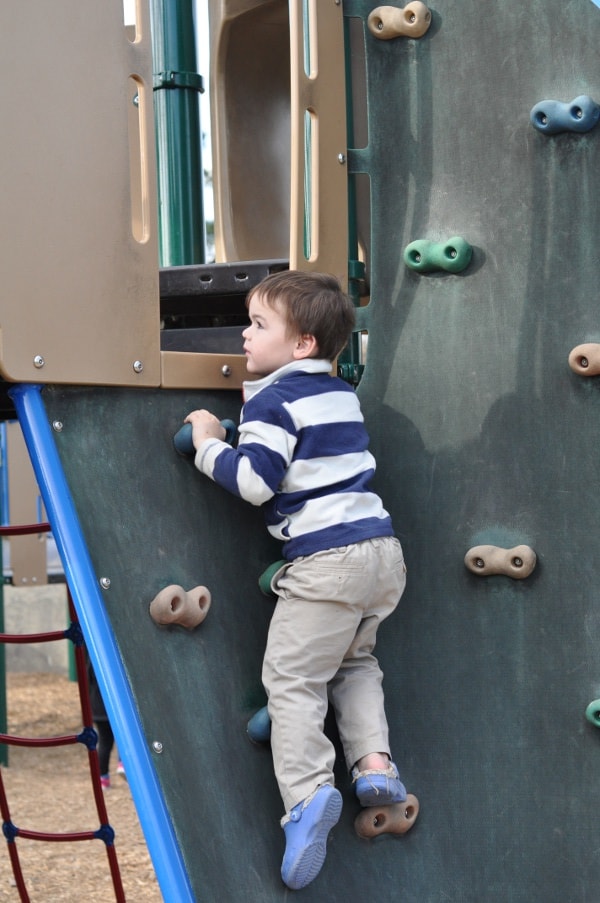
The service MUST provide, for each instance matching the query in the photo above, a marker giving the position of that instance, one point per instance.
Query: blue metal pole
(100, 642)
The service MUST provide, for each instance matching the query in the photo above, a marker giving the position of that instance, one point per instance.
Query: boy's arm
(253, 470)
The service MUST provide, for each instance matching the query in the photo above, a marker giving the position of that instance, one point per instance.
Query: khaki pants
(320, 647)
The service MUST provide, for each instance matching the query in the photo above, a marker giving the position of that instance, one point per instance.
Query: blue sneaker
(306, 829)
(379, 787)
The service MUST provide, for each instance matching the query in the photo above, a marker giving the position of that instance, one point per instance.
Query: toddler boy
(303, 456)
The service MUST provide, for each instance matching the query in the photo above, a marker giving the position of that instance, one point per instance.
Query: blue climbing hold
(259, 726)
(553, 116)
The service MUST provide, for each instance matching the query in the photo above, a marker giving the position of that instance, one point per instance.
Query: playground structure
(449, 178)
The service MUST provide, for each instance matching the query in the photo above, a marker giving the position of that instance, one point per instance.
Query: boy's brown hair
(312, 304)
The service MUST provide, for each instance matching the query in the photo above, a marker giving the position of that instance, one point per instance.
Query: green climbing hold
(425, 256)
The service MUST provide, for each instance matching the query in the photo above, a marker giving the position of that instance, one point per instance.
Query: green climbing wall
(484, 435)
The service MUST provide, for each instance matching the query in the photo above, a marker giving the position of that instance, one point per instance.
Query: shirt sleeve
(254, 470)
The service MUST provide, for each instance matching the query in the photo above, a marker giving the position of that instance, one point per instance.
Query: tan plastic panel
(319, 151)
(79, 291)
(187, 370)
(28, 552)
(258, 114)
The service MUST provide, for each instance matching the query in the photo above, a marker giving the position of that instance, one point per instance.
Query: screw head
(226, 370)
(38, 361)
(341, 159)
(138, 366)
(105, 582)
(57, 426)
(157, 746)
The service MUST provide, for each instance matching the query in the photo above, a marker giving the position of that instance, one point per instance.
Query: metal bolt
(226, 370)
(136, 100)
(157, 746)
(341, 159)
(57, 426)
(517, 562)
(105, 582)
(479, 563)
(38, 361)
(138, 366)
(583, 362)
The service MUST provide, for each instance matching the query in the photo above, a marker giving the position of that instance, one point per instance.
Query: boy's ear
(306, 346)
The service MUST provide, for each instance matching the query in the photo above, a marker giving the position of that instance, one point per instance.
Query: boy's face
(267, 345)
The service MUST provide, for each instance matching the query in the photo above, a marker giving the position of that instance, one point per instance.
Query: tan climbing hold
(585, 359)
(517, 563)
(387, 22)
(395, 819)
(173, 605)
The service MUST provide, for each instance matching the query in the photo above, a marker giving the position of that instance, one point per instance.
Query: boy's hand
(204, 426)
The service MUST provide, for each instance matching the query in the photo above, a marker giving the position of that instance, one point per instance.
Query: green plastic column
(178, 137)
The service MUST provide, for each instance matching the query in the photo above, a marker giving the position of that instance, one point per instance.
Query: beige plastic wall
(79, 298)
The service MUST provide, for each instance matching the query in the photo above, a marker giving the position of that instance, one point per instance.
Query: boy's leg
(306, 643)
(356, 689)
(307, 640)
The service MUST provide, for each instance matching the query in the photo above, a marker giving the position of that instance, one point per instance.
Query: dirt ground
(51, 790)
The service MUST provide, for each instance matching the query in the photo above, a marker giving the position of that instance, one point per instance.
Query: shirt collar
(307, 365)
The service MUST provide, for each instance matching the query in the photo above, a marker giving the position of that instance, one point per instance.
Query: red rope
(24, 529)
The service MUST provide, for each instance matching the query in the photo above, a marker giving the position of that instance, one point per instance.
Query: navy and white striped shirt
(303, 455)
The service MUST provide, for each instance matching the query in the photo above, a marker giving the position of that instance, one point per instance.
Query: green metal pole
(178, 137)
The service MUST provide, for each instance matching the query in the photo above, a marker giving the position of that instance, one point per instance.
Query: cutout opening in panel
(138, 159)
(131, 19)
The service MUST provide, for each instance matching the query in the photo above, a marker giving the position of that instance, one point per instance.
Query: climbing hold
(585, 359)
(592, 713)
(387, 22)
(264, 581)
(517, 563)
(395, 819)
(173, 605)
(182, 440)
(425, 256)
(259, 726)
(553, 116)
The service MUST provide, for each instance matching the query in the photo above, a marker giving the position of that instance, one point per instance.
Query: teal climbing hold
(592, 713)
(425, 256)
(264, 581)
(182, 440)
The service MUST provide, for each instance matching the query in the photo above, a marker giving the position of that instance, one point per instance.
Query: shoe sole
(310, 858)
